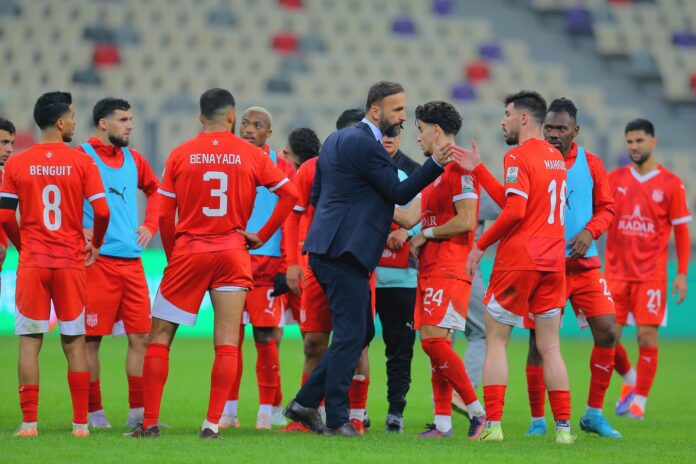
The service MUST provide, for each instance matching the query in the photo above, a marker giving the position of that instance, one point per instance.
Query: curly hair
(441, 113)
(304, 143)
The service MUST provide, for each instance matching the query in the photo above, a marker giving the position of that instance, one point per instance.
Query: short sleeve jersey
(213, 178)
(646, 207)
(446, 258)
(303, 181)
(51, 181)
(536, 171)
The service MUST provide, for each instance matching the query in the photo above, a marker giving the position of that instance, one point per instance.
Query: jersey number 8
(50, 196)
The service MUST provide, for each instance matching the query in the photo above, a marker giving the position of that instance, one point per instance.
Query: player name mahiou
(555, 165)
(40, 170)
(214, 158)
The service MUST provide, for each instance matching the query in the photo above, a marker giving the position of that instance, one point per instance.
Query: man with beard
(648, 200)
(355, 188)
(48, 183)
(118, 300)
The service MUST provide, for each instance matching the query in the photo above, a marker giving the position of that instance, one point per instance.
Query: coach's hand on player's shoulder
(295, 279)
(253, 240)
(92, 253)
(467, 158)
(144, 236)
(473, 259)
(442, 152)
(396, 239)
(679, 287)
(580, 244)
(417, 241)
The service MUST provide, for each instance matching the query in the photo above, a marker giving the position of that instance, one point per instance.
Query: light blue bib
(578, 207)
(120, 185)
(263, 208)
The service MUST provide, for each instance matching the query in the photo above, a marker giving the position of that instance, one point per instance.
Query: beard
(643, 158)
(67, 138)
(388, 129)
(512, 139)
(118, 141)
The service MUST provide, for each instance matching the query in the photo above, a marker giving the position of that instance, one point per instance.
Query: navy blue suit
(355, 189)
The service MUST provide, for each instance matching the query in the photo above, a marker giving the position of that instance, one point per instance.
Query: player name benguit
(39, 170)
(214, 158)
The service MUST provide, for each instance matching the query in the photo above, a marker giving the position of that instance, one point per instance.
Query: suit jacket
(355, 188)
(405, 163)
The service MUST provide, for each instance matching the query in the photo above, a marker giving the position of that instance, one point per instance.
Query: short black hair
(381, 90)
(213, 100)
(529, 100)
(640, 124)
(564, 105)
(50, 107)
(6, 125)
(349, 117)
(106, 107)
(304, 143)
(441, 113)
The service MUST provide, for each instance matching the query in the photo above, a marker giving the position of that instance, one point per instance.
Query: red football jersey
(213, 178)
(446, 258)
(646, 207)
(536, 171)
(304, 181)
(51, 181)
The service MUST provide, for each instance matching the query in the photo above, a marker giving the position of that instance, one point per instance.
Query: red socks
(234, 392)
(267, 371)
(494, 397)
(155, 372)
(79, 393)
(278, 399)
(601, 368)
(221, 380)
(646, 368)
(447, 361)
(135, 391)
(621, 362)
(560, 404)
(29, 402)
(357, 394)
(442, 392)
(95, 402)
(536, 389)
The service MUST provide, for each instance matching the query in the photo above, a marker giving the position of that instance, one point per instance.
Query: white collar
(644, 177)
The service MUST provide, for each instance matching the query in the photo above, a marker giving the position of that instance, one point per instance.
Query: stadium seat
(105, 55)
(477, 72)
(404, 26)
(442, 7)
(463, 91)
(578, 20)
(490, 51)
(285, 42)
(86, 77)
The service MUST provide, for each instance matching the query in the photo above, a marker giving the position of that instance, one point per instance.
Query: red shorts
(37, 287)
(292, 304)
(640, 303)
(589, 295)
(263, 310)
(118, 299)
(187, 277)
(315, 315)
(516, 297)
(442, 302)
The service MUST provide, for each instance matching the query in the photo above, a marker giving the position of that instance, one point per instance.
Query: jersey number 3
(220, 193)
(555, 198)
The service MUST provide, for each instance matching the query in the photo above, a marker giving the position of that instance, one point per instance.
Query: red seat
(106, 55)
(291, 4)
(692, 82)
(477, 72)
(285, 42)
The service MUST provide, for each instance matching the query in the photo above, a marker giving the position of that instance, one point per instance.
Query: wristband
(428, 233)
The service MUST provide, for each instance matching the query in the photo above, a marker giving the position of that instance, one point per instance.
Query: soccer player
(447, 213)
(588, 213)
(117, 295)
(648, 200)
(349, 117)
(49, 182)
(7, 139)
(527, 286)
(315, 317)
(264, 307)
(209, 182)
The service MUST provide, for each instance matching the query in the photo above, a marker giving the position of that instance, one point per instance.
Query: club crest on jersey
(92, 319)
(636, 224)
(511, 174)
(49, 154)
(467, 184)
(658, 196)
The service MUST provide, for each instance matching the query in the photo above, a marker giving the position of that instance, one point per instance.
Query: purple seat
(404, 25)
(490, 51)
(463, 92)
(578, 20)
(684, 38)
(443, 7)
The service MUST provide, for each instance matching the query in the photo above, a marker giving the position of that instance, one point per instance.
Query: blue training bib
(263, 208)
(578, 207)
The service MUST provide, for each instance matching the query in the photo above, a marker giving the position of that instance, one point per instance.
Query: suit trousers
(347, 286)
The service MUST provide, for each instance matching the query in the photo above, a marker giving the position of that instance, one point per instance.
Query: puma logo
(270, 311)
(604, 368)
(409, 325)
(429, 311)
(647, 359)
(623, 190)
(120, 194)
(444, 366)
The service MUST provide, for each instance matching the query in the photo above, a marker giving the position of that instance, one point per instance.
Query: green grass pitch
(667, 434)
